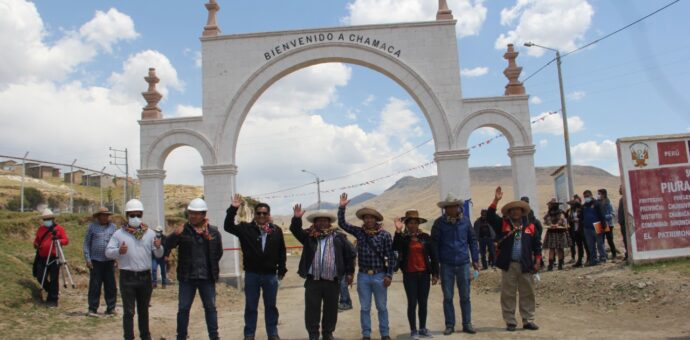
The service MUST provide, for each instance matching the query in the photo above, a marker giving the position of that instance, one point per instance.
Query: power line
(602, 38)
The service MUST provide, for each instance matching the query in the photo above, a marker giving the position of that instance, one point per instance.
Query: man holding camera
(131, 246)
(48, 232)
(199, 250)
(101, 268)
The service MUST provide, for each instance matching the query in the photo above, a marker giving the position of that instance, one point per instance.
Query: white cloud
(577, 95)
(26, 57)
(557, 24)
(470, 14)
(535, 100)
(553, 124)
(105, 29)
(184, 111)
(368, 100)
(602, 154)
(130, 83)
(543, 143)
(474, 72)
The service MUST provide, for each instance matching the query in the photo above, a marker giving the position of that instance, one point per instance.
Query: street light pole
(71, 191)
(318, 188)
(23, 175)
(564, 115)
(100, 184)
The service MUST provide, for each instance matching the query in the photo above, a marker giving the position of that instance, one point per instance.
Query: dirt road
(557, 319)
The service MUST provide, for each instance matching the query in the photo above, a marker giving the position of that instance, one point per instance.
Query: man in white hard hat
(101, 268)
(45, 235)
(199, 249)
(132, 246)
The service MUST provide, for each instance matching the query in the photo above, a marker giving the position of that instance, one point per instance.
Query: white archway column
(219, 186)
(152, 196)
(524, 176)
(453, 173)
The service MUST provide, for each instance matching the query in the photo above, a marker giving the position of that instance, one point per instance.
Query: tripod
(60, 260)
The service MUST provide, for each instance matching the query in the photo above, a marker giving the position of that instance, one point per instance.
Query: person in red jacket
(46, 233)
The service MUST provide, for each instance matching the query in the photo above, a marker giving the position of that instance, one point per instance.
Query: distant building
(97, 180)
(41, 171)
(77, 177)
(11, 166)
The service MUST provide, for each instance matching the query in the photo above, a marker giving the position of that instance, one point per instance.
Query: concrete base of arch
(152, 196)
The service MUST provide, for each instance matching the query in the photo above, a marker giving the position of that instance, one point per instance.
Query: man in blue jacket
(453, 241)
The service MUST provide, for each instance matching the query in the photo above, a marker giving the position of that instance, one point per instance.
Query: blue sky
(73, 72)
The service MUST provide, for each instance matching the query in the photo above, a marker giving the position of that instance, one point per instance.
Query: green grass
(677, 265)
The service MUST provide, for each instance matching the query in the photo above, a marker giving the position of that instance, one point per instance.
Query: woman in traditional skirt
(557, 237)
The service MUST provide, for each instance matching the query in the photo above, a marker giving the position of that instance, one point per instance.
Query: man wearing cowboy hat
(454, 241)
(325, 260)
(519, 257)
(375, 258)
(46, 233)
(101, 268)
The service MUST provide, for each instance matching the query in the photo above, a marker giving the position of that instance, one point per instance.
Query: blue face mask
(48, 223)
(588, 199)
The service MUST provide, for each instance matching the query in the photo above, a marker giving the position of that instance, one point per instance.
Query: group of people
(582, 225)
(450, 253)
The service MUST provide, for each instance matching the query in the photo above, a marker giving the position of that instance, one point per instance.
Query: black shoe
(468, 329)
(550, 267)
(386, 337)
(530, 325)
(327, 336)
(449, 331)
(366, 338)
(314, 336)
(274, 337)
(249, 337)
(560, 264)
(511, 328)
(577, 264)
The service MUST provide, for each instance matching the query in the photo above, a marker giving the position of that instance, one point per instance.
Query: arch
(172, 139)
(294, 60)
(514, 131)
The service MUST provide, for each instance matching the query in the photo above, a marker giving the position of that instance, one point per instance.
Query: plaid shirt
(96, 240)
(368, 258)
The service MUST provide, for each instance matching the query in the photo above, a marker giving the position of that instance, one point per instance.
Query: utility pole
(100, 184)
(564, 115)
(23, 175)
(318, 188)
(71, 191)
(118, 159)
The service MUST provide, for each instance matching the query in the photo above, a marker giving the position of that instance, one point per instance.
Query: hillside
(361, 198)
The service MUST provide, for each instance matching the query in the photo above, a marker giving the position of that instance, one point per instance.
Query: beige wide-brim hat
(321, 214)
(413, 214)
(369, 211)
(158, 229)
(516, 204)
(102, 211)
(450, 201)
(47, 214)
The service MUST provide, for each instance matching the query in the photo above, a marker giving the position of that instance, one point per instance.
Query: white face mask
(588, 199)
(48, 223)
(135, 222)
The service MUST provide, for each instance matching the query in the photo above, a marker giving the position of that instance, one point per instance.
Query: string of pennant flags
(541, 118)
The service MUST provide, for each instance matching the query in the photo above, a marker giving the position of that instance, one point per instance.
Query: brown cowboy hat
(516, 204)
(103, 211)
(321, 214)
(369, 211)
(450, 201)
(413, 214)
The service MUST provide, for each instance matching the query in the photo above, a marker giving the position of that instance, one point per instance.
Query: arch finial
(512, 72)
(444, 13)
(211, 29)
(152, 97)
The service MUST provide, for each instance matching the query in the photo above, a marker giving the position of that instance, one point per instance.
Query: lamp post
(71, 191)
(21, 204)
(318, 188)
(564, 115)
(100, 184)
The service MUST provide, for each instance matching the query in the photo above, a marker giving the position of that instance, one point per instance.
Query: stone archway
(422, 57)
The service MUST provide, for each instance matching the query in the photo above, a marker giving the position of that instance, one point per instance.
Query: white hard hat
(47, 213)
(197, 204)
(134, 205)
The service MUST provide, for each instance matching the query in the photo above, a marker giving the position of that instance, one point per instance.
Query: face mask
(598, 197)
(588, 199)
(48, 223)
(135, 222)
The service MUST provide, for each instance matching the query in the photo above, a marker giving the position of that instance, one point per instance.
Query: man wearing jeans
(264, 260)
(345, 300)
(592, 213)
(199, 250)
(101, 268)
(131, 246)
(375, 258)
(453, 242)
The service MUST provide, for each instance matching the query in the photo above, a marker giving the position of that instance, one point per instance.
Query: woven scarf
(318, 233)
(137, 232)
(266, 228)
(324, 267)
(373, 230)
(203, 230)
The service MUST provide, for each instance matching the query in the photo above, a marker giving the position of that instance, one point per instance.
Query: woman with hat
(325, 260)
(419, 267)
(101, 268)
(374, 256)
(557, 236)
(519, 257)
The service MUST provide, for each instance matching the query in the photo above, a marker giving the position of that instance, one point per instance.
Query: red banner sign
(672, 153)
(661, 204)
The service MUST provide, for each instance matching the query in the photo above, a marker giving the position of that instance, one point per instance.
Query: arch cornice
(174, 138)
(514, 130)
